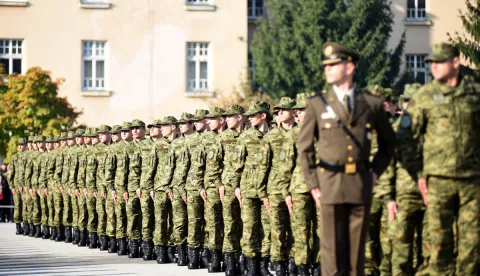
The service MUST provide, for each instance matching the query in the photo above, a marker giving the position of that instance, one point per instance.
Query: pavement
(23, 255)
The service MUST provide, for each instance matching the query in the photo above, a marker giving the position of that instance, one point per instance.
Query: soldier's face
(115, 137)
(138, 132)
(29, 145)
(155, 131)
(95, 140)
(405, 104)
(49, 146)
(126, 135)
(233, 121)
(300, 115)
(284, 115)
(167, 130)
(339, 72)
(21, 147)
(257, 119)
(56, 145)
(79, 140)
(185, 128)
(88, 140)
(71, 142)
(34, 146)
(214, 123)
(445, 70)
(200, 125)
(63, 143)
(41, 145)
(104, 137)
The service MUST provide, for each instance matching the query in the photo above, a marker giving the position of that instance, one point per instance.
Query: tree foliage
(288, 43)
(29, 104)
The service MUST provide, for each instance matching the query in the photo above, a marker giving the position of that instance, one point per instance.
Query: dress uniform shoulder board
(316, 93)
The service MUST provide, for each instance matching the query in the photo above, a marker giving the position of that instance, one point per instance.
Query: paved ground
(21, 255)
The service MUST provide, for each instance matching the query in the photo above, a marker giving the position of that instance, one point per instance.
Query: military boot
(230, 264)
(68, 234)
(38, 231)
(162, 257)
(317, 269)
(241, 264)
(26, 229)
(252, 266)
(19, 229)
(302, 270)
(205, 258)
(46, 232)
(53, 233)
(76, 236)
(82, 241)
(32, 230)
(264, 267)
(148, 250)
(122, 247)
(134, 249)
(171, 254)
(215, 261)
(193, 258)
(93, 240)
(60, 234)
(280, 269)
(112, 245)
(182, 255)
(292, 267)
(103, 243)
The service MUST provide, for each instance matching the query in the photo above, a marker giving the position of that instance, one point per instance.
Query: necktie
(347, 105)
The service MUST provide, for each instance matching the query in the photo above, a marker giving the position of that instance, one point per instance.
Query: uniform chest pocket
(329, 128)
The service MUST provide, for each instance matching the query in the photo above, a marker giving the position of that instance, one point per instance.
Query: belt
(350, 168)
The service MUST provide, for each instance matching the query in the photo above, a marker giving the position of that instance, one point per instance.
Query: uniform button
(349, 127)
(348, 137)
(368, 125)
(322, 170)
(350, 159)
(349, 147)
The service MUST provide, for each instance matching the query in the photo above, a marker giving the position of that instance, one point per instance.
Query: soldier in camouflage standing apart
(254, 162)
(446, 129)
(212, 182)
(230, 181)
(179, 194)
(59, 191)
(163, 162)
(302, 207)
(76, 177)
(410, 218)
(277, 140)
(110, 174)
(16, 178)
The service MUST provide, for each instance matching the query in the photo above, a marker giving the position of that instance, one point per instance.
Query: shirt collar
(340, 94)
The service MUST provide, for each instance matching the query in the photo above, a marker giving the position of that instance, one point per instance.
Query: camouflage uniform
(91, 186)
(446, 128)
(101, 151)
(147, 155)
(74, 170)
(27, 171)
(35, 208)
(110, 175)
(67, 197)
(57, 180)
(43, 184)
(16, 174)
(50, 182)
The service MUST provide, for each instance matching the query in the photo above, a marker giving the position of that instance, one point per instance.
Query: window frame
(416, 69)
(94, 58)
(252, 11)
(416, 12)
(198, 59)
(199, 3)
(10, 56)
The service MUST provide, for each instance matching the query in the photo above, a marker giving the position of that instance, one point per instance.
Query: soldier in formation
(205, 191)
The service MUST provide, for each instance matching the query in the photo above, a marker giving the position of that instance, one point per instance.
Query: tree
(288, 43)
(29, 104)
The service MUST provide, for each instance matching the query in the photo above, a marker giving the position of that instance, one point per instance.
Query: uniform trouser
(195, 210)
(102, 215)
(44, 207)
(344, 228)
(25, 205)
(410, 218)
(279, 227)
(449, 198)
(378, 242)
(91, 202)
(163, 211)
(133, 216)
(303, 214)
(82, 212)
(110, 206)
(214, 220)
(75, 209)
(58, 207)
(36, 209)
(146, 203)
(232, 223)
(180, 220)
(120, 217)
(256, 230)
(50, 206)
(67, 209)
(18, 206)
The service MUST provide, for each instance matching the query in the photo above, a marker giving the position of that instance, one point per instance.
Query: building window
(93, 73)
(11, 53)
(417, 66)
(416, 10)
(256, 8)
(197, 66)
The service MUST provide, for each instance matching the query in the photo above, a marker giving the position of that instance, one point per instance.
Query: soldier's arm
(133, 179)
(149, 174)
(28, 173)
(290, 157)
(306, 147)
(91, 174)
(387, 182)
(11, 171)
(73, 172)
(110, 169)
(263, 169)
(239, 163)
(417, 129)
(182, 166)
(42, 174)
(82, 171)
(57, 177)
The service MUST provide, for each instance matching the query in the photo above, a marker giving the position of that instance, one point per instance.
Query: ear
(456, 62)
(173, 127)
(350, 68)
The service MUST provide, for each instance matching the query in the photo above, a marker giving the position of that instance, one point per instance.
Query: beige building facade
(125, 59)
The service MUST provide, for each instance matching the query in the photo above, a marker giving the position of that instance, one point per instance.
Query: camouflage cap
(116, 129)
(56, 139)
(387, 94)
(70, 135)
(126, 126)
(157, 122)
(169, 120)
(215, 112)
(301, 101)
(185, 118)
(442, 51)
(410, 90)
(79, 132)
(49, 138)
(21, 141)
(137, 123)
(200, 114)
(88, 132)
(258, 107)
(93, 131)
(39, 138)
(63, 136)
(285, 103)
(30, 138)
(234, 109)
(335, 53)
(104, 129)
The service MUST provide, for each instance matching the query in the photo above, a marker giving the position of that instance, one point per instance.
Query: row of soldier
(199, 190)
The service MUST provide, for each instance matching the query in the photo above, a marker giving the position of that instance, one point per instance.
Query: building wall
(146, 52)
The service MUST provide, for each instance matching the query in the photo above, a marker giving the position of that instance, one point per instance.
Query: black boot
(32, 230)
(19, 229)
(242, 265)
(147, 250)
(280, 269)
(122, 247)
(264, 267)
(182, 255)
(76, 236)
(171, 254)
(82, 241)
(193, 258)
(215, 261)
(162, 257)
(103, 243)
(134, 249)
(252, 266)
(302, 270)
(230, 263)
(205, 258)
(60, 234)
(316, 270)
(292, 267)
(53, 233)
(68, 234)
(93, 240)
(112, 245)
(46, 232)
(38, 231)
(26, 229)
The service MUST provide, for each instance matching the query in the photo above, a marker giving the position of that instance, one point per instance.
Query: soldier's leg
(120, 217)
(74, 200)
(386, 229)
(110, 205)
(18, 206)
(372, 246)
(231, 212)
(195, 219)
(214, 220)
(133, 217)
(180, 220)
(92, 222)
(468, 259)
(58, 208)
(67, 210)
(317, 233)
(26, 211)
(279, 219)
(301, 220)
(162, 211)
(37, 209)
(82, 213)
(252, 234)
(51, 207)
(102, 216)
(422, 242)
(147, 216)
(45, 210)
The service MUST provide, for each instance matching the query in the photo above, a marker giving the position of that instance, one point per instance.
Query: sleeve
(289, 165)
(419, 122)
(91, 174)
(182, 164)
(239, 165)
(42, 174)
(82, 171)
(387, 182)
(264, 169)
(57, 178)
(110, 169)
(386, 142)
(28, 173)
(147, 183)
(73, 172)
(306, 147)
(11, 171)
